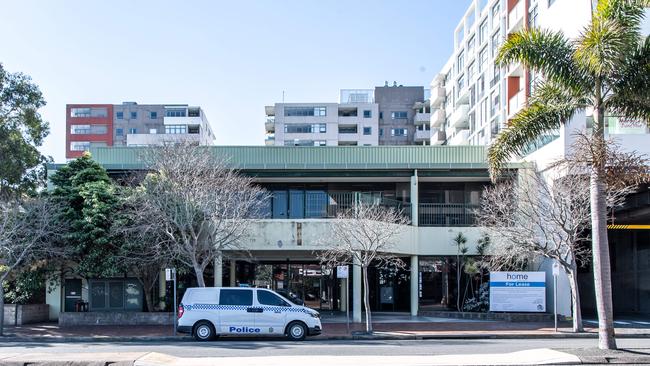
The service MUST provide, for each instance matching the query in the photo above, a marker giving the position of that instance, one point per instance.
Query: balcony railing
(446, 214)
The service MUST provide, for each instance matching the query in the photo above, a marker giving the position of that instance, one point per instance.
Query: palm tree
(460, 242)
(606, 69)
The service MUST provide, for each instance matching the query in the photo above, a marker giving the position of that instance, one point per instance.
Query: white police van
(208, 312)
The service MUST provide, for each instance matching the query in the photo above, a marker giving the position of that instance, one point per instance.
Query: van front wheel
(204, 331)
(297, 331)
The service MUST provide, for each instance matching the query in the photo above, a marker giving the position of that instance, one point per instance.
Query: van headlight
(315, 315)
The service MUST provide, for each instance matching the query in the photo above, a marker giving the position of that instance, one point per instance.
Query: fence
(446, 214)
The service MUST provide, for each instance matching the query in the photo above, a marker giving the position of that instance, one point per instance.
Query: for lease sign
(518, 291)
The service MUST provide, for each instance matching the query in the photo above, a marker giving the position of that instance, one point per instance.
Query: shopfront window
(116, 295)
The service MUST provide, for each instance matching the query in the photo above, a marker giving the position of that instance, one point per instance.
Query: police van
(208, 312)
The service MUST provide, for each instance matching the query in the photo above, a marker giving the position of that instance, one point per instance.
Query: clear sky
(230, 57)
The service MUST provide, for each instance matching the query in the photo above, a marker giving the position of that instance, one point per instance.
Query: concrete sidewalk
(409, 330)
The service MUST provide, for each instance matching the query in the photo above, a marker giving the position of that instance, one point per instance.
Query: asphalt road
(249, 348)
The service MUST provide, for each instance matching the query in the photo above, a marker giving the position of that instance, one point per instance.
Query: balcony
(459, 118)
(270, 140)
(422, 135)
(463, 96)
(460, 138)
(516, 103)
(515, 70)
(438, 137)
(437, 118)
(422, 118)
(446, 214)
(516, 17)
(438, 95)
(269, 125)
(269, 110)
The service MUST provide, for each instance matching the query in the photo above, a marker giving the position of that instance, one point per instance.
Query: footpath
(449, 329)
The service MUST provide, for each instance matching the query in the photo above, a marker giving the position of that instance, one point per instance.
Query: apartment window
(399, 115)
(461, 83)
(460, 62)
(471, 69)
(496, 42)
(305, 111)
(480, 85)
(176, 129)
(133, 130)
(367, 131)
(119, 131)
(494, 107)
(88, 129)
(134, 115)
(175, 112)
(381, 132)
(381, 115)
(89, 112)
(532, 17)
(119, 115)
(153, 115)
(470, 46)
(347, 129)
(305, 128)
(194, 112)
(347, 112)
(79, 145)
(320, 143)
(496, 9)
(367, 114)
(153, 131)
(482, 59)
(482, 32)
(398, 132)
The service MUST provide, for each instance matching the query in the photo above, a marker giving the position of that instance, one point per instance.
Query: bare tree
(365, 236)
(202, 205)
(551, 216)
(29, 232)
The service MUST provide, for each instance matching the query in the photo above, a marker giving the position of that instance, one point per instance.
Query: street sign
(342, 272)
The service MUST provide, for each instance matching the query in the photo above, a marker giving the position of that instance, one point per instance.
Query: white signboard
(518, 291)
(341, 271)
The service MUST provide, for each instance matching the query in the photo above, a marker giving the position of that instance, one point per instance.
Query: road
(257, 348)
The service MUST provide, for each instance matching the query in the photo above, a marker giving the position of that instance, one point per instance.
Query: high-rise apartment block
(132, 124)
(388, 115)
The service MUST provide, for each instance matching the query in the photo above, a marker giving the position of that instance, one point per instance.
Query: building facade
(388, 115)
(436, 187)
(132, 124)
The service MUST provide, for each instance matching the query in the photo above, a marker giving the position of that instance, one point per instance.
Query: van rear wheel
(297, 331)
(204, 331)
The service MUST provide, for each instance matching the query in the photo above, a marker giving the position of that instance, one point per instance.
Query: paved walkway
(416, 329)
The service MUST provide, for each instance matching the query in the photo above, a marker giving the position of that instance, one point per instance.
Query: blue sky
(230, 57)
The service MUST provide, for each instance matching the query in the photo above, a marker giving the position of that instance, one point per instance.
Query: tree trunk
(458, 274)
(199, 275)
(366, 299)
(600, 243)
(575, 300)
(2, 306)
(147, 286)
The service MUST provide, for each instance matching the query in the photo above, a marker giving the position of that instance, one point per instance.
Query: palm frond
(628, 13)
(602, 47)
(550, 106)
(545, 51)
(630, 96)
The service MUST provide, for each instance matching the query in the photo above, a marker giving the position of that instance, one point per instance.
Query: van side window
(268, 298)
(236, 297)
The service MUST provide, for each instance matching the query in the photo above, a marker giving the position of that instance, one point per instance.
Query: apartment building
(388, 115)
(132, 124)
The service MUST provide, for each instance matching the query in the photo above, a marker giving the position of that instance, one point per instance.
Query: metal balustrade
(446, 214)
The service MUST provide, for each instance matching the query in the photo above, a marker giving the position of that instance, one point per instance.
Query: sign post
(170, 275)
(342, 272)
(556, 272)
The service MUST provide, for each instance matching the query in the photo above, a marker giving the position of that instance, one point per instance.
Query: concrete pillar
(415, 282)
(218, 271)
(162, 288)
(356, 291)
(414, 199)
(344, 294)
(233, 272)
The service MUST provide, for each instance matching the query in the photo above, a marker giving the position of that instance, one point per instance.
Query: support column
(162, 288)
(415, 289)
(414, 199)
(218, 271)
(356, 291)
(233, 272)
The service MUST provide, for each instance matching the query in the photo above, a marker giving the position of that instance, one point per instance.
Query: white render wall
(332, 120)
